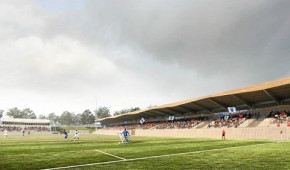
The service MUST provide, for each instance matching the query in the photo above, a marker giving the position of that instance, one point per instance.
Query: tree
(15, 113)
(53, 117)
(151, 106)
(87, 117)
(1, 113)
(132, 109)
(66, 118)
(102, 112)
(76, 118)
(41, 117)
(29, 114)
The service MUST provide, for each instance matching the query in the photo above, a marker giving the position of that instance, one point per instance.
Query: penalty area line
(152, 157)
(111, 155)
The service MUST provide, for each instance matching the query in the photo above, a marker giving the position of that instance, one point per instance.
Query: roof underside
(258, 96)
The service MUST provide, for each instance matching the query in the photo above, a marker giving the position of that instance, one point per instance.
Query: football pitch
(104, 152)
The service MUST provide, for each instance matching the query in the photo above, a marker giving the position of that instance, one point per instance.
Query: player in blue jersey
(126, 134)
(65, 135)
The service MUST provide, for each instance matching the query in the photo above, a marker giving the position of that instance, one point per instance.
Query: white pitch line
(111, 155)
(152, 157)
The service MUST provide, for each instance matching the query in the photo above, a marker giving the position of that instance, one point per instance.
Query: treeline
(17, 113)
(133, 109)
(67, 118)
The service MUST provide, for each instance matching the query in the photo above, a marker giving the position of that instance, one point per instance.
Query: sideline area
(261, 133)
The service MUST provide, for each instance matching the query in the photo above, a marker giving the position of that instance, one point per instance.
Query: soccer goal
(81, 131)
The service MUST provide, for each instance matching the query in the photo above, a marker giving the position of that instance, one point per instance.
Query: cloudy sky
(58, 55)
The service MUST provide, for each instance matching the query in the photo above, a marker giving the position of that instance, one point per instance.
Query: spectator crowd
(179, 124)
(19, 129)
(280, 116)
(176, 124)
(230, 121)
(227, 123)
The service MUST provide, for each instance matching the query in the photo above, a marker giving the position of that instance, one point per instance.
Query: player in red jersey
(224, 134)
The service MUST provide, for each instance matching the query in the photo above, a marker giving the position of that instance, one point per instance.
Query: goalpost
(81, 131)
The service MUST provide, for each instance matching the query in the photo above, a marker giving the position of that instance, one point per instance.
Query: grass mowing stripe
(152, 157)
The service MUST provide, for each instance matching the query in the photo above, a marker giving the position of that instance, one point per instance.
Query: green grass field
(51, 151)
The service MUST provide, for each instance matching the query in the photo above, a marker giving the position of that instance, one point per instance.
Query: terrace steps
(246, 123)
(256, 122)
(266, 122)
(202, 125)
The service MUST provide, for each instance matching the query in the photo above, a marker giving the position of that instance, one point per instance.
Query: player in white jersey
(5, 133)
(77, 133)
(120, 133)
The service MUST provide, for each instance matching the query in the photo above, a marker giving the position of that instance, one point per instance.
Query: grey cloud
(242, 41)
(144, 52)
(210, 37)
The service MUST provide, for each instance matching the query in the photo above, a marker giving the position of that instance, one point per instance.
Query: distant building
(31, 125)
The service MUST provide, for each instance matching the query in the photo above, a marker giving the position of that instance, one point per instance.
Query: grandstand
(16, 125)
(260, 108)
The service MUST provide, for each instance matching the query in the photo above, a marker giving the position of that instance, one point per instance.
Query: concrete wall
(271, 133)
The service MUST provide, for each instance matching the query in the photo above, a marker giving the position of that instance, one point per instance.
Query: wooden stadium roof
(258, 96)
